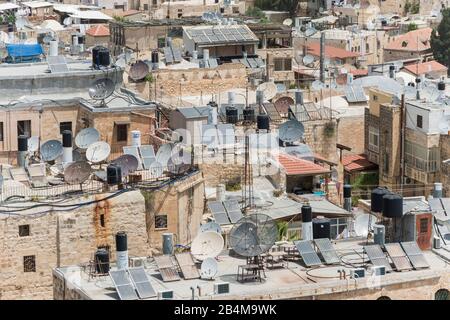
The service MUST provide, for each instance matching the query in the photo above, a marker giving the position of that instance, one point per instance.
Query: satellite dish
(211, 226)
(98, 151)
(164, 153)
(67, 21)
(269, 89)
(317, 85)
(86, 137)
(253, 235)
(76, 156)
(362, 226)
(47, 39)
(430, 93)
(51, 150)
(288, 22)
(281, 87)
(207, 244)
(101, 89)
(308, 59)
(291, 131)
(127, 163)
(121, 62)
(310, 32)
(410, 92)
(156, 170)
(139, 70)
(209, 268)
(33, 144)
(77, 172)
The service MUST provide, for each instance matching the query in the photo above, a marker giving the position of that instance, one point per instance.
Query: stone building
(412, 45)
(97, 35)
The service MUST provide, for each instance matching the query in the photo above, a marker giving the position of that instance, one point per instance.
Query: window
(282, 64)
(29, 264)
(24, 128)
(1, 131)
(337, 226)
(419, 121)
(65, 126)
(375, 98)
(122, 132)
(24, 230)
(423, 225)
(422, 158)
(145, 7)
(374, 139)
(154, 2)
(161, 221)
(102, 220)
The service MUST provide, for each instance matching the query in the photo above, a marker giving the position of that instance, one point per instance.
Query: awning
(24, 50)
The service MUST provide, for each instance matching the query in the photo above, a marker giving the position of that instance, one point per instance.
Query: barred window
(161, 221)
(29, 264)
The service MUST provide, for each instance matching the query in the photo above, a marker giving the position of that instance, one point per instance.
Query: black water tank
(80, 39)
(22, 142)
(101, 261)
(347, 191)
(306, 213)
(376, 199)
(249, 114)
(121, 241)
(67, 138)
(263, 122)
(441, 86)
(383, 23)
(418, 80)
(155, 56)
(100, 57)
(321, 228)
(392, 206)
(113, 174)
(10, 27)
(231, 115)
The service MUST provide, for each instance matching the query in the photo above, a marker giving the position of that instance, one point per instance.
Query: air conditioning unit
(358, 273)
(436, 242)
(137, 262)
(165, 295)
(379, 270)
(222, 288)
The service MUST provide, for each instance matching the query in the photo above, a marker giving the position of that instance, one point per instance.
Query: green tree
(412, 26)
(279, 5)
(440, 39)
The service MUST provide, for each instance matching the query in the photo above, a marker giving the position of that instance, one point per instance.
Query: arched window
(384, 298)
(442, 294)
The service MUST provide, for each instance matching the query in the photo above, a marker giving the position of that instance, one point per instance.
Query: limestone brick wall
(350, 132)
(319, 141)
(215, 174)
(445, 168)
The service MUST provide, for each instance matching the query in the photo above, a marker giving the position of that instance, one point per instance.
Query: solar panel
(57, 64)
(415, 255)
(134, 152)
(176, 52)
(307, 252)
(168, 55)
(252, 63)
(398, 256)
(124, 287)
(272, 112)
(326, 249)
(226, 133)
(219, 212)
(233, 210)
(213, 63)
(148, 155)
(377, 257)
(355, 94)
(141, 283)
(187, 265)
(166, 268)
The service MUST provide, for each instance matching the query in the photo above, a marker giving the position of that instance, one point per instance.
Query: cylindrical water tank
(155, 56)
(220, 192)
(441, 86)
(306, 213)
(392, 72)
(10, 27)
(347, 191)
(376, 199)
(135, 138)
(299, 97)
(437, 192)
(167, 243)
(205, 54)
(101, 261)
(22, 143)
(100, 57)
(122, 250)
(169, 41)
(307, 227)
(392, 206)
(67, 139)
(53, 50)
(259, 97)
(212, 115)
(231, 97)
(263, 122)
(321, 228)
(113, 174)
(379, 232)
(249, 114)
(231, 115)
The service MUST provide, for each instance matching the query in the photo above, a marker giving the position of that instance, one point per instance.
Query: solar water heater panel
(141, 283)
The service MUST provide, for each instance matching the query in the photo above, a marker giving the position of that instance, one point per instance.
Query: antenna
(86, 137)
(207, 244)
(291, 131)
(77, 172)
(209, 268)
(253, 235)
(51, 150)
(98, 152)
(139, 70)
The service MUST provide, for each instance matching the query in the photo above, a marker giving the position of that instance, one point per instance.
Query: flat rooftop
(293, 281)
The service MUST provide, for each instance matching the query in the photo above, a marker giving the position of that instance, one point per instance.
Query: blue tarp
(24, 50)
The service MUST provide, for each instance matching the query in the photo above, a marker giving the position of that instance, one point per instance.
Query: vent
(358, 273)
(165, 295)
(222, 288)
(379, 270)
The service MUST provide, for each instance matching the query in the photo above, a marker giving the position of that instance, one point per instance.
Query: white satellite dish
(98, 151)
(288, 22)
(207, 244)
(430, 93)
(317, 85)
(156, 170)
(269, 90)
(67, 21)
(86, 137)
(362, 226)
(211, 226)
(33, 144)
(209, 268)
(310, 32)
(410, 92)
(308, 59)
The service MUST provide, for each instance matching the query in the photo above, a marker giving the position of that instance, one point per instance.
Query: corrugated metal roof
(194, 112)
(355, 93)
(211, 35)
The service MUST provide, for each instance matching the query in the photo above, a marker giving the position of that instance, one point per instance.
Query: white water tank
(220, 192)
(205, 54)
(212, 116)
(53, 51)
(135, 138)
(231, 97)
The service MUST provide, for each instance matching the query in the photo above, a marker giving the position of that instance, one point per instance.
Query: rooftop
(221, 34)
(98, 31)
(416, 41)
(426, 67)
(331, 52)
(296, 166)
(357, 162)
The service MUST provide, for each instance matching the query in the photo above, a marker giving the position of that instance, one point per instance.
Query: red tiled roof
(331, 52)
(296, 166)
(98, 31)
(359, 72)
(416, 41)
(426, 67)
(357, 162)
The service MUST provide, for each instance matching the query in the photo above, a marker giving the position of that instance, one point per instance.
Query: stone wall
(445, 168)
(321, 137)
(350, 133)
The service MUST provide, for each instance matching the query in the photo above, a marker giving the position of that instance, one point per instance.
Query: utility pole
(322, 57)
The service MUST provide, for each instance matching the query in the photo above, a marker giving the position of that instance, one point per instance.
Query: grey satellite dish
(121, 62)
(253, 235)
(128, 164)
(156, 170)
(76, 156)
(86, 137)
(430, 93)
(317, 85)
(164, 153)
(362, 225)
(67, 21)
(207, 244)
(291, 131)
(310, 32)
(211, 226)
(98, 151)
(51, 150)
(281, 87)
(77, 172)
(101, 89)
(269, 89)
(308, 59)
(33, 144)
(209, 268)
(139, 70)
